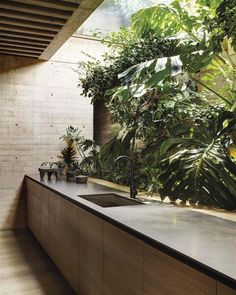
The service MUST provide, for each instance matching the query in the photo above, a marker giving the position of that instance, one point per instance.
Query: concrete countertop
(204, 242)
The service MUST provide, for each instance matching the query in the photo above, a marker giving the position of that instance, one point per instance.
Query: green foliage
(184, 116)
(202, 171)
(72, 135)
(91, 164)
(126, 49)
(167, 19)
(69, 157)
(87, 149)
(178, 136)
(225, 21)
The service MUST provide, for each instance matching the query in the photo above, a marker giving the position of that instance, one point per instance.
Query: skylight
(113, 14)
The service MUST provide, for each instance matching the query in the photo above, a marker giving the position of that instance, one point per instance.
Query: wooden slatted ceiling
(38, 28)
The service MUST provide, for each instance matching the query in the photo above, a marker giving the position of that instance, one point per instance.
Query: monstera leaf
(156, 70)
(150, 74)
(165, 19)
(201, 172)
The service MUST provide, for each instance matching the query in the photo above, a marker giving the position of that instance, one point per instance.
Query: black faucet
(133, 189)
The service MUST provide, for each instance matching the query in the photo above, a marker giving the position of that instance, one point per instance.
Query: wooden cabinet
(224, 290)
(90, 254)
(70, 242)
(34, 208)
(55, 229)
(123, 262)
(64, 238)
(98, 258)
(164, 275)
(45, 218)
(54, 222)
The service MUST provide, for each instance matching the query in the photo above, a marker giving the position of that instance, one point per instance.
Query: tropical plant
(91, 163)
(224, 22)
(88, 150)
(69, 157)
(72, 135)
(126, 49)
(163, 96)
(200, 170)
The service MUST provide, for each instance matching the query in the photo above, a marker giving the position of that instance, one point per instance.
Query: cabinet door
(55, 228)
(123, 262)
(64, 237)
(164, 275)
(90, 254)
(32, 187)
(224, 290)
(69, 243)
(33, 208)
(45, 218)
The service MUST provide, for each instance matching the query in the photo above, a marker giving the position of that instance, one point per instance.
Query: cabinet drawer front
(224, 290)
(164, 275)
(90, 254)
(123, 262)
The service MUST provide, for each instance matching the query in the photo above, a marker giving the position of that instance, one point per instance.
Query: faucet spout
(133, 189)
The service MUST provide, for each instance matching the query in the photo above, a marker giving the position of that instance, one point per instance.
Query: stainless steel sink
(110, 200)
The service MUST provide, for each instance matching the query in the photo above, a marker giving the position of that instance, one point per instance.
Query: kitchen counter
(204, 242)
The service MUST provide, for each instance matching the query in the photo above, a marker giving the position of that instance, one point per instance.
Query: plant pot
(81, 179)
(70, 175)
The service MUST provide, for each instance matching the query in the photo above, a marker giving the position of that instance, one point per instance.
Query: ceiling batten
(39, 28)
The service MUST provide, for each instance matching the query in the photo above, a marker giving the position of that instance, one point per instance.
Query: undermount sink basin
(110, 200)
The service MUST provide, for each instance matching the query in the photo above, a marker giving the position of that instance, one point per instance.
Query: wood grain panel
(55, 4)
(70, 242)
(164, 275)
(20, 49)
(90, 254)
(34, 209)
(31, 17)
(23, 41)
(6, 4)
(224, 290)
(45, 218)
(64, 237)
(17, 53)
(32, 187)
(28, 36)
(22, 45)
(29, 24)
(24, 30)
(55, 229)
(123, 262)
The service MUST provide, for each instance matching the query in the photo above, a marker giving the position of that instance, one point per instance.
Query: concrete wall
(38, 100)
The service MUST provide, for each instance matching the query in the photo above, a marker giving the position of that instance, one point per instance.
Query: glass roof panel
(113, 14)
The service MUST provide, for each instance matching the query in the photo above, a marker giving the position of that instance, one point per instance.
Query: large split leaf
(201, 172)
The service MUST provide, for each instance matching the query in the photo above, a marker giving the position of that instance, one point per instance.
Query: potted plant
(69, 158)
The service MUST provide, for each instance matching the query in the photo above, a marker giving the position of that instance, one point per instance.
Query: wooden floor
(26, 269)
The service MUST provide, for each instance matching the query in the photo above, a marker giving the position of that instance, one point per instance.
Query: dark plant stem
(211, 90)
